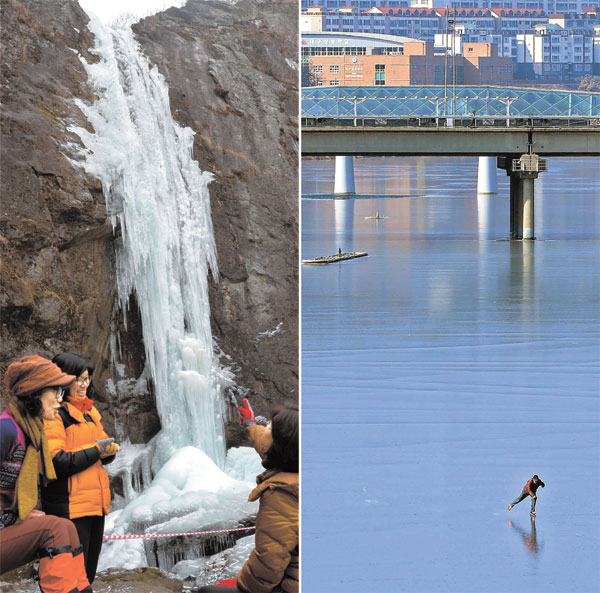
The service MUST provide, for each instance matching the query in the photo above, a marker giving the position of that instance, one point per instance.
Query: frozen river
(443, 371)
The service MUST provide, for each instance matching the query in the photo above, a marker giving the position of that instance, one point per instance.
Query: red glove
(247, 414)
(227, 583)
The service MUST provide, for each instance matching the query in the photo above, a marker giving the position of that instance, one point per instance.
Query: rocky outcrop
(58, 275)
(232, 78)
(139, 580)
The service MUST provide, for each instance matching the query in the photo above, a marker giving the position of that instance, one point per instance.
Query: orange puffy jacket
(82, 488)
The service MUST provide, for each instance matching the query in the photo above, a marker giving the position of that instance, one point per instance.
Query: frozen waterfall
(182, 481)
(160, 198)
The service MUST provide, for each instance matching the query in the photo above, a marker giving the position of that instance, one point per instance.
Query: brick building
(416, 65)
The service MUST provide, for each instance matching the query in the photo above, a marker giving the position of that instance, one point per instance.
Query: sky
(109, 10)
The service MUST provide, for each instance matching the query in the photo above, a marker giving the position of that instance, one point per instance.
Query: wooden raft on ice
(331, 259)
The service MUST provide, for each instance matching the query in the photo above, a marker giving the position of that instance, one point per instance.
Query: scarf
(26, 489)
(83, 404)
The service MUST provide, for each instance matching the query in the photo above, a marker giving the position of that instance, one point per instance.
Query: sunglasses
(60, 392)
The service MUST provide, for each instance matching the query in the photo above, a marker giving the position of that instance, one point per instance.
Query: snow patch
(270, 333)
(293, 64)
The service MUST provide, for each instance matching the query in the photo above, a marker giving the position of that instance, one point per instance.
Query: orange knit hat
(32, 373)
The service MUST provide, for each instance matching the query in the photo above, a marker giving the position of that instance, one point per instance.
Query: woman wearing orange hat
(36, 386)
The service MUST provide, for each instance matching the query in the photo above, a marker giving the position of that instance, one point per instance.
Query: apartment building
(422, 23)
(551, 51)
(548, 6)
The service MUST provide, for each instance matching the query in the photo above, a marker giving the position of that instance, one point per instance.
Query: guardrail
(453, 122)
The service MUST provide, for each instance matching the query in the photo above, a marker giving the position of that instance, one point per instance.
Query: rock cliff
(232, 73)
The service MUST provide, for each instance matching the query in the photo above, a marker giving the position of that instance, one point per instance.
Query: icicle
(159, 196)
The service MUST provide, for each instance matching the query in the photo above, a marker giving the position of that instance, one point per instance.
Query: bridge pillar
(527, 193)
(344, 175)
(487, 182)
(522, 172)
(515, 207)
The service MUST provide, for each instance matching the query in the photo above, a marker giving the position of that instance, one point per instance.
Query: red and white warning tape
(151, 535)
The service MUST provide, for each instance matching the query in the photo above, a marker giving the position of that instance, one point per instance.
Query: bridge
(507, 127)
(462, 139)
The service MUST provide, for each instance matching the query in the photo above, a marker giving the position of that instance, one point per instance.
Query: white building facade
(558, 53)
(548, 6)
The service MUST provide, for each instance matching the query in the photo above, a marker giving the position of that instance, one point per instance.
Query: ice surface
(443, 371)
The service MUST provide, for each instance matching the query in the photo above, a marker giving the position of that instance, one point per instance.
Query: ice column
(160, 198)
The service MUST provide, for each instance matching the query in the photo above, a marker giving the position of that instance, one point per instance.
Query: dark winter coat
(82, 488)
(531, 487)
(274, 562)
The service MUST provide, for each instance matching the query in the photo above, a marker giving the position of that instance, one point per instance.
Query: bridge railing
(453, 122)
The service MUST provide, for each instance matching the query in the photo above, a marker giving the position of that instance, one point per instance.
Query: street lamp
(508, 100)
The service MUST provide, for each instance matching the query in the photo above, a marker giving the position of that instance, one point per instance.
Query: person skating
(529, 489)
(36, 386)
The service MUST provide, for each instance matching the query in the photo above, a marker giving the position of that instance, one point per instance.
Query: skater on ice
(529, 489)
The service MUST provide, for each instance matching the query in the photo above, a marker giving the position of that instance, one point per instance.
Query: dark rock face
(58, 250)
(230, 78)
(56, 277)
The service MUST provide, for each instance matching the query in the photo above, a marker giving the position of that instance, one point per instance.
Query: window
(379, 74)
(334, 69)
(334, 83)
(317, 69)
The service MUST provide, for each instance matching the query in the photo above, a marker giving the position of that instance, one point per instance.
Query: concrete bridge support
(344, 175)
(528, 213)
(522, 173)
(516, 207)
(487, 182)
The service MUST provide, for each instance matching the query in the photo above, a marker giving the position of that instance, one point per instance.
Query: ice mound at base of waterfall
(189, 493)
(243, 463)
(215, 568)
